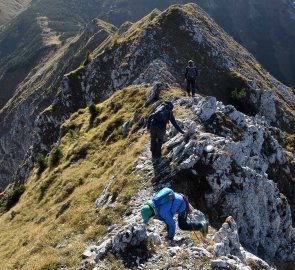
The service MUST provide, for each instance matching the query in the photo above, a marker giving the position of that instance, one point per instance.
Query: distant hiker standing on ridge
(191, 74)
(156, 125)
(164, 205)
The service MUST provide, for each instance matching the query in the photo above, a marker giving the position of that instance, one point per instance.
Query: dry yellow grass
(31, 237)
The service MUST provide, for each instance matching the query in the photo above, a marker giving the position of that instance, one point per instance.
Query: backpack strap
(185, 199)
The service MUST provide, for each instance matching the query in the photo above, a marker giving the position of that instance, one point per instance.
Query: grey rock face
(130, 236)
(227, 241)
(126, 126)
(154, 94)
(133, 235)
(236, 174)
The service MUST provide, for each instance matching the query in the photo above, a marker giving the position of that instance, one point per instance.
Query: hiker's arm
(149, 122)
(197, 72)
(186, 71)
(170, 225)
(174, 123)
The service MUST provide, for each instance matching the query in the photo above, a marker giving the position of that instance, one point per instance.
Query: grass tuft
(14, 196)
(55, 156)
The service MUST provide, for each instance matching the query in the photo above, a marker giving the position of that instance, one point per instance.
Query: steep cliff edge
(37, 92)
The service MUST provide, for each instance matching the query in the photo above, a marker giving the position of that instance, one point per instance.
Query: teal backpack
(163, 196)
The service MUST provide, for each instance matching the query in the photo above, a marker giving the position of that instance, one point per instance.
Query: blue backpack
(163, 196)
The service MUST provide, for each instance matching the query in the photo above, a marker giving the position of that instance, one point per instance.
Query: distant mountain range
(10, 9)
(265, 27)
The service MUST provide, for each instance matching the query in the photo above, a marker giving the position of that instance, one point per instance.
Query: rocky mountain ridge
(95, 158)
(121, 63)
(37, 93)
(12, 120)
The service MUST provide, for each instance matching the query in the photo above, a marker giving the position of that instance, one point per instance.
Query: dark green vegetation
(55, 156)
(41, 164)
(11, 197)
(241, 100)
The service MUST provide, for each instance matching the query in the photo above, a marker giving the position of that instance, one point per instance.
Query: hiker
(156, 125)
(191, 74)
(164, 205)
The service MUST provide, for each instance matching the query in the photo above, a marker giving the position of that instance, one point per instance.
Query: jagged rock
(90, 252)
(126, 126)
(227, 241)
(154, 238)
(219, 264)
(236, 174)
(105, 197)
(253, 261)
(154, 94)
(228, 263)
(206, 108)
(132, 235)
(157, 71)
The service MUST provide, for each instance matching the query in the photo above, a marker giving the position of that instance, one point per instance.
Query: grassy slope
(30, 231)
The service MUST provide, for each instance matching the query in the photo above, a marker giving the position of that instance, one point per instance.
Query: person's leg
(188, 87)
(160, 139)
(186, 225)
(153, 142)
(193, 85)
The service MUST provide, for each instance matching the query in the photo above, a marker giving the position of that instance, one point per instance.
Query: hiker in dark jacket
(191, 74)
(157, 123)
(164, 205)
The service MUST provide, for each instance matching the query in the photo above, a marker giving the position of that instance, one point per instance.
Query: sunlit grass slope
(92, 151)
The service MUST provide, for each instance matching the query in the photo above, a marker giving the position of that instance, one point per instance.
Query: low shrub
(94, 111)
(14, 196)
(240, 99)
(41, 164)
(55, 156)
(44, 187)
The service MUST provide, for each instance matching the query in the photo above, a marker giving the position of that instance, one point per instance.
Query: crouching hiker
(164, 205)
(156, 125)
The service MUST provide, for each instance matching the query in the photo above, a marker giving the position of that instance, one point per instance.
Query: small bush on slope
(55, 156)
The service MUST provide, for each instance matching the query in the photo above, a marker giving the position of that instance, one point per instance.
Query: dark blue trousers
(191, 86)
(186, 225)
(157, 139)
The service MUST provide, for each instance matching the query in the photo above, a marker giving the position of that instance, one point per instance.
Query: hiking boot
(204, 229)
